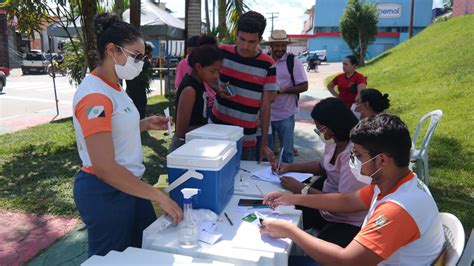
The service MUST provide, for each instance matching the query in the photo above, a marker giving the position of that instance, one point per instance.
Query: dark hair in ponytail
(376, 100)
(206, 53)
(109, 28)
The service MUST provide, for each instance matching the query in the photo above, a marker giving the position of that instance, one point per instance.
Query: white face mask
(130, 70)
(321, 136)
(356, 167)
(353, 109)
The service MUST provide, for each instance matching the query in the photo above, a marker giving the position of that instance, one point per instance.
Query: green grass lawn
(434, 70)
(37, 165)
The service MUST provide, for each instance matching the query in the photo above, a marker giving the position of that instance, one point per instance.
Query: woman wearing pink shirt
(333, 121)
(191, 96)
(184, 68)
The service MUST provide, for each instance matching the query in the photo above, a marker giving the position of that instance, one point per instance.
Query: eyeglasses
(319, 131)
(352, 158)
(136, 57)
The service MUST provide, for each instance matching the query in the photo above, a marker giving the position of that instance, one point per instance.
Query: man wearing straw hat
(293, 81)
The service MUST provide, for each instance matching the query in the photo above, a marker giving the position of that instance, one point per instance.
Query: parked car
(173, 61)
(4, 72)
(34, 61)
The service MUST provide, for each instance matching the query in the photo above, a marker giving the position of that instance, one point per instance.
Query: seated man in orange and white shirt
(402, 225)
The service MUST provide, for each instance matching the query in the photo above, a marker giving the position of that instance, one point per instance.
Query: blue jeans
(285, 131)
(114, 220)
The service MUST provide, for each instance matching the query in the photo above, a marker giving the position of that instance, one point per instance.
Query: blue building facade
(393, 25)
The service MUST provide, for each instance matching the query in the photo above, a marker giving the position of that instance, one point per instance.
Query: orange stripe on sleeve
(94, 113)
(365, 194)
(389, 228)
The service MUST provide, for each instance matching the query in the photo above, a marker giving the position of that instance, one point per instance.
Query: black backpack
(290, 64)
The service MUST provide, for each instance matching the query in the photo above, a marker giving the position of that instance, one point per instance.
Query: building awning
(155, 23)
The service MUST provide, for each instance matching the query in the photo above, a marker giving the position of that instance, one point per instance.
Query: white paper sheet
(267, 175)
(210, 238)
(167, 114)
(248, 237)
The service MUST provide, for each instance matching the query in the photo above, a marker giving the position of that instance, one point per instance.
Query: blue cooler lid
(202, 154)
(216, 131)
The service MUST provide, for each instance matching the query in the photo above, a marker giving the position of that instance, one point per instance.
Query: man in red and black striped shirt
(251, 78)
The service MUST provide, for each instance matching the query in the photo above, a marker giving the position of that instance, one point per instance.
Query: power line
(273, 17)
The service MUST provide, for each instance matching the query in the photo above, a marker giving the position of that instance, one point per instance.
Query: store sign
(389, 10)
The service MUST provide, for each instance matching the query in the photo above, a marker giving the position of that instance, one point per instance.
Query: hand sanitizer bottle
(188, 230)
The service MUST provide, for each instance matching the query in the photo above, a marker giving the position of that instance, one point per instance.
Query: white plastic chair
(419, 155)
(467, 257)
(454, 234)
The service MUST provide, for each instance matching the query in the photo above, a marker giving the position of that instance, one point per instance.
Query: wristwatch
(305, 189)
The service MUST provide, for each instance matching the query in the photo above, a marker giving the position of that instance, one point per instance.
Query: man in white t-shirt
(402, 225)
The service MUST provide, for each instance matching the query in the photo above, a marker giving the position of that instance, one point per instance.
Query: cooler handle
(183, 178)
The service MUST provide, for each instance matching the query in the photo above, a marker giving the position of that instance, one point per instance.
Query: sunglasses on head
(137, 57)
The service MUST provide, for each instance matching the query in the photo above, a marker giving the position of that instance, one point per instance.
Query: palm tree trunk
(118, 7)
(222, 26)
(89, 9)
(208, 23)
(192, 17)
(361, 50)
(213, 14)
(4, 60)
(135, 13)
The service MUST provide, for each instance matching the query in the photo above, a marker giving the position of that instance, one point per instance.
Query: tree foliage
(235, 8)
(32, 15)
(229, 13)
(358, 27)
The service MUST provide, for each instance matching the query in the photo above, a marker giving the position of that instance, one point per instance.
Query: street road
(32, 94)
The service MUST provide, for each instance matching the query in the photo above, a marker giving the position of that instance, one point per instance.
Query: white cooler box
(205, 164)
(220, 132)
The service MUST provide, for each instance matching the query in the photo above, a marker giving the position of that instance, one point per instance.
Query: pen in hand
(279, 161)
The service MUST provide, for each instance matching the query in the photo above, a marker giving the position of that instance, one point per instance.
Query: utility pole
(272, 16)
(412, 11)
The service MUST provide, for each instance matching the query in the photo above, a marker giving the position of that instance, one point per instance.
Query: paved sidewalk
(306, 141)
(22, 235)
(71, 249)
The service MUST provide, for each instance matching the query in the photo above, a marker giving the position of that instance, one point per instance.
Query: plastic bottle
(187, 228)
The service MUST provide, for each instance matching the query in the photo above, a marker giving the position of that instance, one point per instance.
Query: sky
(291, 20)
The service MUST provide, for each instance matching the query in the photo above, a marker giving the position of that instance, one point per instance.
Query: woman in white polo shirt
(112, 200)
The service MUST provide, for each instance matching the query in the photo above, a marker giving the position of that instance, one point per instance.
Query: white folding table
(136, 256)
(229, 248)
